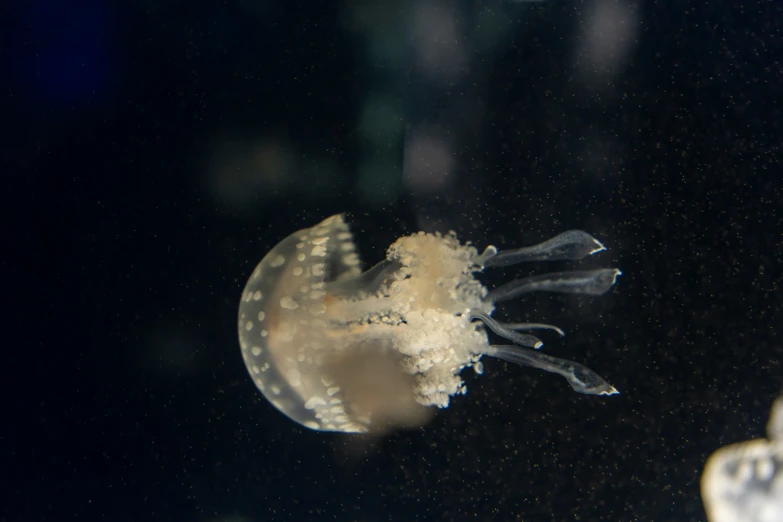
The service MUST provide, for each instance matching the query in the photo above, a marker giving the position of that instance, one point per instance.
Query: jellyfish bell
(338, 349)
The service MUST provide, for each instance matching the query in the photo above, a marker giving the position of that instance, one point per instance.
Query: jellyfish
(339, 349)
(743, 482)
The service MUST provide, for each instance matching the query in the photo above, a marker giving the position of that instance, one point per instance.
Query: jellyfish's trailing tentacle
(521, 339)
(571, 245)
(590, 282)
(581, 378)
(523, 327)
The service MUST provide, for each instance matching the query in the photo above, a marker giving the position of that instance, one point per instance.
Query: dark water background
(154, 151)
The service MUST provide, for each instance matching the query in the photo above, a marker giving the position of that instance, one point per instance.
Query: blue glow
(64, 55)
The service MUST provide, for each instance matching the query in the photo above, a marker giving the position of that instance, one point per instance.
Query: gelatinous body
(743, 482)
(416, 319)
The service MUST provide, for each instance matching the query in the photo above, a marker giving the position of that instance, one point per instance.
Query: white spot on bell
(288, 303)
(294, 377)
(312, 402)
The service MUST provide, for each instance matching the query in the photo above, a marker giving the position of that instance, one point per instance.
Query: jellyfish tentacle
(571, 245)
(590, 282)
(518, 338)
(581, 378)
(522, 327)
